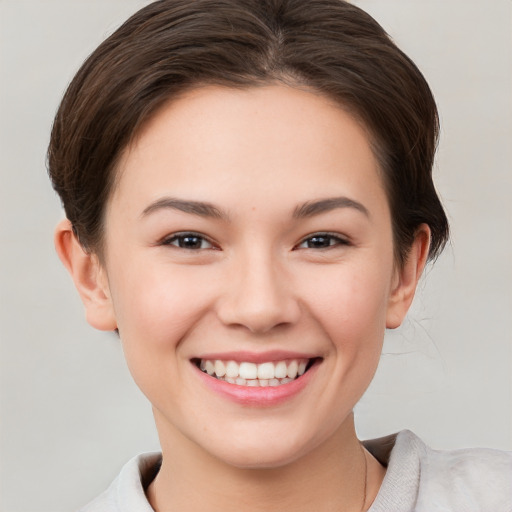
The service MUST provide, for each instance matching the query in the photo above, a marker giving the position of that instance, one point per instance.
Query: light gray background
(70, 415)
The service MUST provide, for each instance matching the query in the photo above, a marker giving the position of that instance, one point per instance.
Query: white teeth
(281, 370)
(231, 369)
(292, 369)
(220, 368)
(209, 367)
(266, 371)
(252, 374)
(248, 371)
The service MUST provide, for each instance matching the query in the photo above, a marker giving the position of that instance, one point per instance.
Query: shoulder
(127, 491)
(472, 480)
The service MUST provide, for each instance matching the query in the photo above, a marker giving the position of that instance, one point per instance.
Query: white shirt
(418, 479)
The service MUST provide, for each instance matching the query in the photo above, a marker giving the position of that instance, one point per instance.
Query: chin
(270, 451)
(243, 458)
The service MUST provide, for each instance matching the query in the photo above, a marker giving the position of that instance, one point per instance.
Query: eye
(322, 241)
(190, 241)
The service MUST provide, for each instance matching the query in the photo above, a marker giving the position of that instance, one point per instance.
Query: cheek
(155, 310)
(156, 306)
(351, 303)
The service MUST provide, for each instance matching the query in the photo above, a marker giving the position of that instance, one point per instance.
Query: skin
(253, 283)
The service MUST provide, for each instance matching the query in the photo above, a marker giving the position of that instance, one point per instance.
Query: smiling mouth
(268, 374)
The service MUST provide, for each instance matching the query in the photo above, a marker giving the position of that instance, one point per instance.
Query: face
(249, 269)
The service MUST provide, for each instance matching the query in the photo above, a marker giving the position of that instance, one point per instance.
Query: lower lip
(263, 396)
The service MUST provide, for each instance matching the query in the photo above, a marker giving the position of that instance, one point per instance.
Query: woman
(250, 205)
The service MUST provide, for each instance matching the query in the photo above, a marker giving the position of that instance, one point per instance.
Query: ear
(407, 277)
(89, 277)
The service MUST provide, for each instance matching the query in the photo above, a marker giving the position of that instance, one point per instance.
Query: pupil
(190, 242)
(318, 241)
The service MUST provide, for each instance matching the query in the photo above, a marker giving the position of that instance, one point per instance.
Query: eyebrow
(204, 209)
(311, 208)
(194, 207)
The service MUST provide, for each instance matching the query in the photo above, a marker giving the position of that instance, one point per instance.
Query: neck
(333, 476)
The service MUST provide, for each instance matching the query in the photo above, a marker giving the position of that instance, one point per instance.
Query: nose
(259, 295)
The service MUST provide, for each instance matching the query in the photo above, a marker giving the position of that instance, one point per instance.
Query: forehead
(216, 139)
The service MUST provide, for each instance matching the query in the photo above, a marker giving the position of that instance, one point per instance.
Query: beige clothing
(418, 479)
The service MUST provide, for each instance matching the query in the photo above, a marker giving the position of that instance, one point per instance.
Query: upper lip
(256, 357)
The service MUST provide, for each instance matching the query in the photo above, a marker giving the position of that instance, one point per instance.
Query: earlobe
(89, 277)
(407, 278)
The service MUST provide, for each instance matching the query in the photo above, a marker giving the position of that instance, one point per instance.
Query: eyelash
(334, 241)
(179, 240)
(181, 237)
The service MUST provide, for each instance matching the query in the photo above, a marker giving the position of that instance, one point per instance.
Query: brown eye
(190, 241)
(321, 241)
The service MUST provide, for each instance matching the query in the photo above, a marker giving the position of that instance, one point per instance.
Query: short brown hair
(170, 46)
